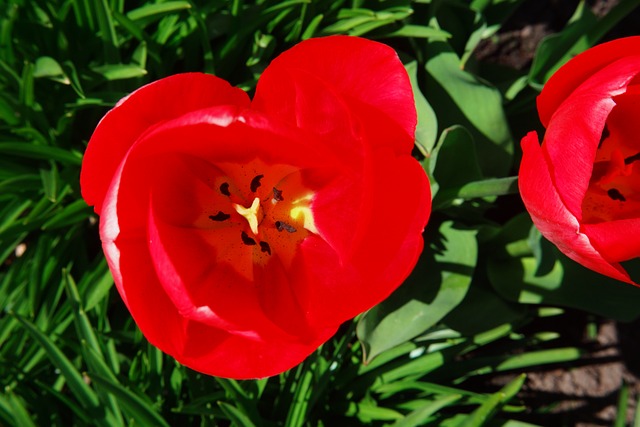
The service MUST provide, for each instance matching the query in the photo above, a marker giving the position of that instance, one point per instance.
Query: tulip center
(614, 187)
(250, 214)
(257, 212)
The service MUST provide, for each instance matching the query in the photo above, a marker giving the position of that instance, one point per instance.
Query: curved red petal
(341, 277)
(135, 114)
(360, 71)
(617, 240)
(573, 135)
(577, 70)
(215, 353)
(551, 216)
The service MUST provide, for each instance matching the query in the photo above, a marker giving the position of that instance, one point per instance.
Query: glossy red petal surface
(552, 217)
(384, 243)
(360, 71)
(578, 69)
(138, 112)
(573, 135)
(618, 240)
(212, 352)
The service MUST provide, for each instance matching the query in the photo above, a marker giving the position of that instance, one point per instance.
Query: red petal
(215, 353)
(150, 105)
(551, 216)
(360, 72)
(575, 130)
(616, 240)
(578, 69)
(383, 245)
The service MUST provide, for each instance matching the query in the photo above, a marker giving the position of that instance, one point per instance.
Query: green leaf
(419, 31)
(74, 379)
(120, 71)
(427, 128)
(483, 413)
(157, 10)
(556, 49)
(581, 32)
(530, 270)
(453, 164)
(420, 416)
(17, 411)
(44, 152)
(73, 213)
(437, 285)
(137, 408)
(461, 98)
(236, 416)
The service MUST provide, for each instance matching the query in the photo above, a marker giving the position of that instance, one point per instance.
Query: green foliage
(70, 353)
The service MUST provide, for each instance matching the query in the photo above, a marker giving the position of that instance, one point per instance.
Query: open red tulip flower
(582, 186)
(241, 234)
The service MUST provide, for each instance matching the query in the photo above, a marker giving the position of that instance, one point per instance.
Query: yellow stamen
(250, 214)
(307, 217)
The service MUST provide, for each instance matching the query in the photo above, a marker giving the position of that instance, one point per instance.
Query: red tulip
(241, 233)
(582, 186)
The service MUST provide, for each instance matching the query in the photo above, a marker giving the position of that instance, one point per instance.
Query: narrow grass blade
(74, 379)
(143, 412)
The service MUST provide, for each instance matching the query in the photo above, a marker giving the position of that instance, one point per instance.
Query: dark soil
(586, 394)
(516, 42)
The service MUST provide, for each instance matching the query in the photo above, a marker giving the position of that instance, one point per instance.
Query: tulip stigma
(250, 214)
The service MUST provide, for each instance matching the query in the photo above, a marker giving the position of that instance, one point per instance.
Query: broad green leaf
(427, 128)
(453, 164)
(120, 71)
(530, 270)
(460, 98)
(48, 67)
(437, 285)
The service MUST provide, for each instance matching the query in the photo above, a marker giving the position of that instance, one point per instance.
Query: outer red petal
(578, 69)
(213, 352)
(383, 248)
(551, 216)
(617, 240)
(150, 105)
(574, 132)
(360, 71)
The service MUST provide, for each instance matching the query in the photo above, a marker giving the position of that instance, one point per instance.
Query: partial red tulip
(241, 234)
(582, 186)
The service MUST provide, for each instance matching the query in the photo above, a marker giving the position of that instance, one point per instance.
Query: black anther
(615, 194)
(264, 247)
(224, 189)
(220, 216)
(277, 195)
(631, 159)
(255, 183)
(246, 239)
(284, 226)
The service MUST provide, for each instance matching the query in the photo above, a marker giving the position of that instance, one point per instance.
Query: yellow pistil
(250, 214)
